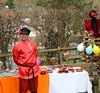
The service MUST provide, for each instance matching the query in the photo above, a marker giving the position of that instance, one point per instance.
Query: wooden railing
(43, 51)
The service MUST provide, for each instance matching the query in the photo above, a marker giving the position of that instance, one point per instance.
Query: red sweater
(25, 53)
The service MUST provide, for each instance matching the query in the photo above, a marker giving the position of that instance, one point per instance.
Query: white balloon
(80, 47)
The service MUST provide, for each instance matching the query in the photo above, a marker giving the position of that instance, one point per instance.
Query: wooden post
(95, 76)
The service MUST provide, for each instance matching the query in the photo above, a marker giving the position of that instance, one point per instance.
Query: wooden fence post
(95, 77)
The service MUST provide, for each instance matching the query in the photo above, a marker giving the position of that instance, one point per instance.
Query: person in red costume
(93, 14)
(93, 25)
(25, 56)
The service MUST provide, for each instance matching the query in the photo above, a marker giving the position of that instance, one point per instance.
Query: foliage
(2, 3)
(10, 21)
(10, 4)
(65, 15)
(41, 3)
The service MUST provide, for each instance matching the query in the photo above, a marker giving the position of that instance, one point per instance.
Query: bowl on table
(79, 69)
(49, 70)
(43, 71)
(66, 71)
(60, 70)
(60, 66)
(71, 69)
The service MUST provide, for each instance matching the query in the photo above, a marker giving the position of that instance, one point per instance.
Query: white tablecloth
(72, 82)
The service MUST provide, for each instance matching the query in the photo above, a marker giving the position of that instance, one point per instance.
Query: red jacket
(25, 53)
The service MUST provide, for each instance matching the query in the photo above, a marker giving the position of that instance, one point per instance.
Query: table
(52, 83)
(65, 83)
(9, 84)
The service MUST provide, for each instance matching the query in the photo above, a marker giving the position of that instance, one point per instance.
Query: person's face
(24, 37)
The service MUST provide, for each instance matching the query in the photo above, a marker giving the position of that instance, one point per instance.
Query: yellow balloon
(96, 49)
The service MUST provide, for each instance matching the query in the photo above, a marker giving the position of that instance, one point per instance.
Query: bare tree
(10, 22)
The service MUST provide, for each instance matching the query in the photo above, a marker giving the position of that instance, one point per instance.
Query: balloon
(38, 62)
(80, 47)
(96, 49)
(89, 49)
